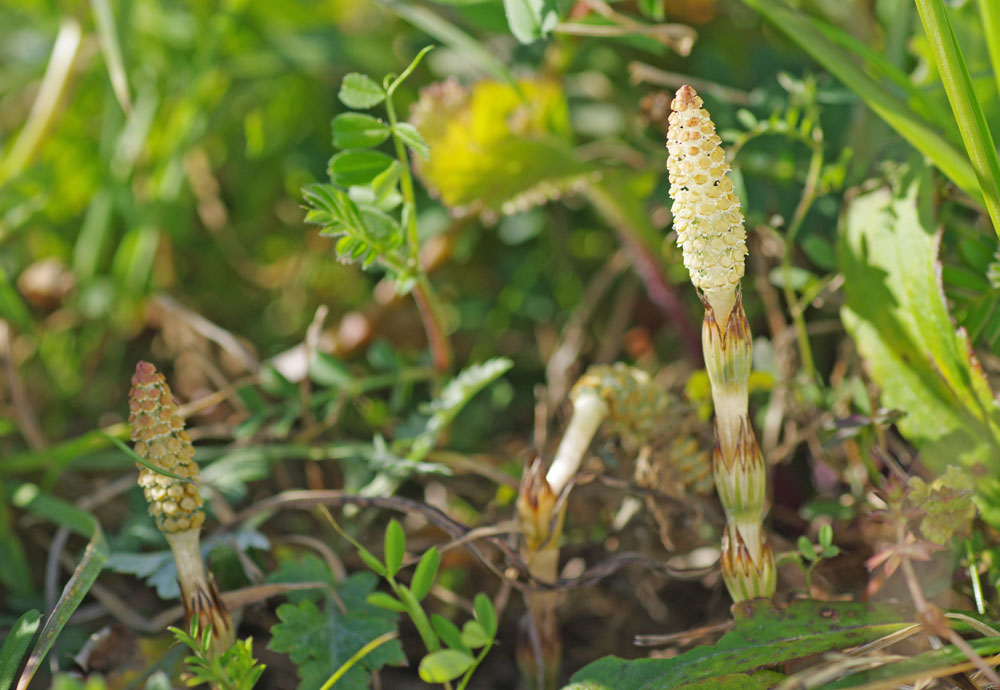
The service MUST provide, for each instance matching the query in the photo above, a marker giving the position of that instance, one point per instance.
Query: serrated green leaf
(358, 131)
(448, 632)
(474, 635)
(426, 572)
(395, 547)
(762, 636)
(411, 137)
(530, 20)
(896, 314)
(360, 91)
(444, 665)
(358, 166)
(320, 641)
(485, 614)
(307, 568)
(452, 399)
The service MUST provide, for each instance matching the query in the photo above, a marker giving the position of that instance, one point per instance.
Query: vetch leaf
(386, 601)
(395, 547)
(485, 614)
(358, 166)
(358, 131)
(448, 632)
(360, 91)
(444, 665)
(474, 636)
(426, 572)
(411, 137)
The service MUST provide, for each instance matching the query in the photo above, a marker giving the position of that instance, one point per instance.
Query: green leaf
(426, 572)
(763, 635)
(395, 547)
(448, 632)
(411, 137)
(15, 645)
(806, 548)
(530, 20)
(360, 91)
(896, 314)
(444, 665)
(485, 614)
(452, 399)
(372, 562)
(826, 536)
(386, 601)
(968, 111)
(358, 167)
(358, 131)
(923, 136)
(307, 568)
(474, 636)
(319, 641)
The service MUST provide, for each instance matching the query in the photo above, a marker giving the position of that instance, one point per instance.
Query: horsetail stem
(631, 404)
(175, 503)
(623, 396)
(711, 234)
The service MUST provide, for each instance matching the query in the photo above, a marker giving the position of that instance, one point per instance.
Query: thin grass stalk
(989, 10)
(710, 231)
(968, 111)
(169, 480)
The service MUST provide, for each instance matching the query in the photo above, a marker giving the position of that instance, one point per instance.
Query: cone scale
(711, 234)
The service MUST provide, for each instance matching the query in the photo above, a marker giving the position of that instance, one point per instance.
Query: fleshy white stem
(710, 231)
(589, 410)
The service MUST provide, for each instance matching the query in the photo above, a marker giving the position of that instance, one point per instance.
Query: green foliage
(895, 312)
(234, 669)
(530, 20)
(320, 640)
(15, 645)
(762, 636)
(368, 185)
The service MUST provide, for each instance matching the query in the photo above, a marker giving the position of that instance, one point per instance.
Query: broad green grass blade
(107, 37)
(443, 30)
(14, 573)
(989, 10)
(31, 498)
(16, 645)
(968, 111)
(918, 132)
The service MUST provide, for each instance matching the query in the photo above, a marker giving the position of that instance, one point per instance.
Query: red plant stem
(437, 339)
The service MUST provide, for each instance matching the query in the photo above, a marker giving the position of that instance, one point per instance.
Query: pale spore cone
(706, 212)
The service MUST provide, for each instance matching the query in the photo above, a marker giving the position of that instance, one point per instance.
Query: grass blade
(31, 498)
(107, 37)
(968, 111)
(16, 645)
(443, 30)
(918, 132)
(989, 10)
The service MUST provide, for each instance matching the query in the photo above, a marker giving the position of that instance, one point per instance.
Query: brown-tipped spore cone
(159, 437)
(710, 231)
